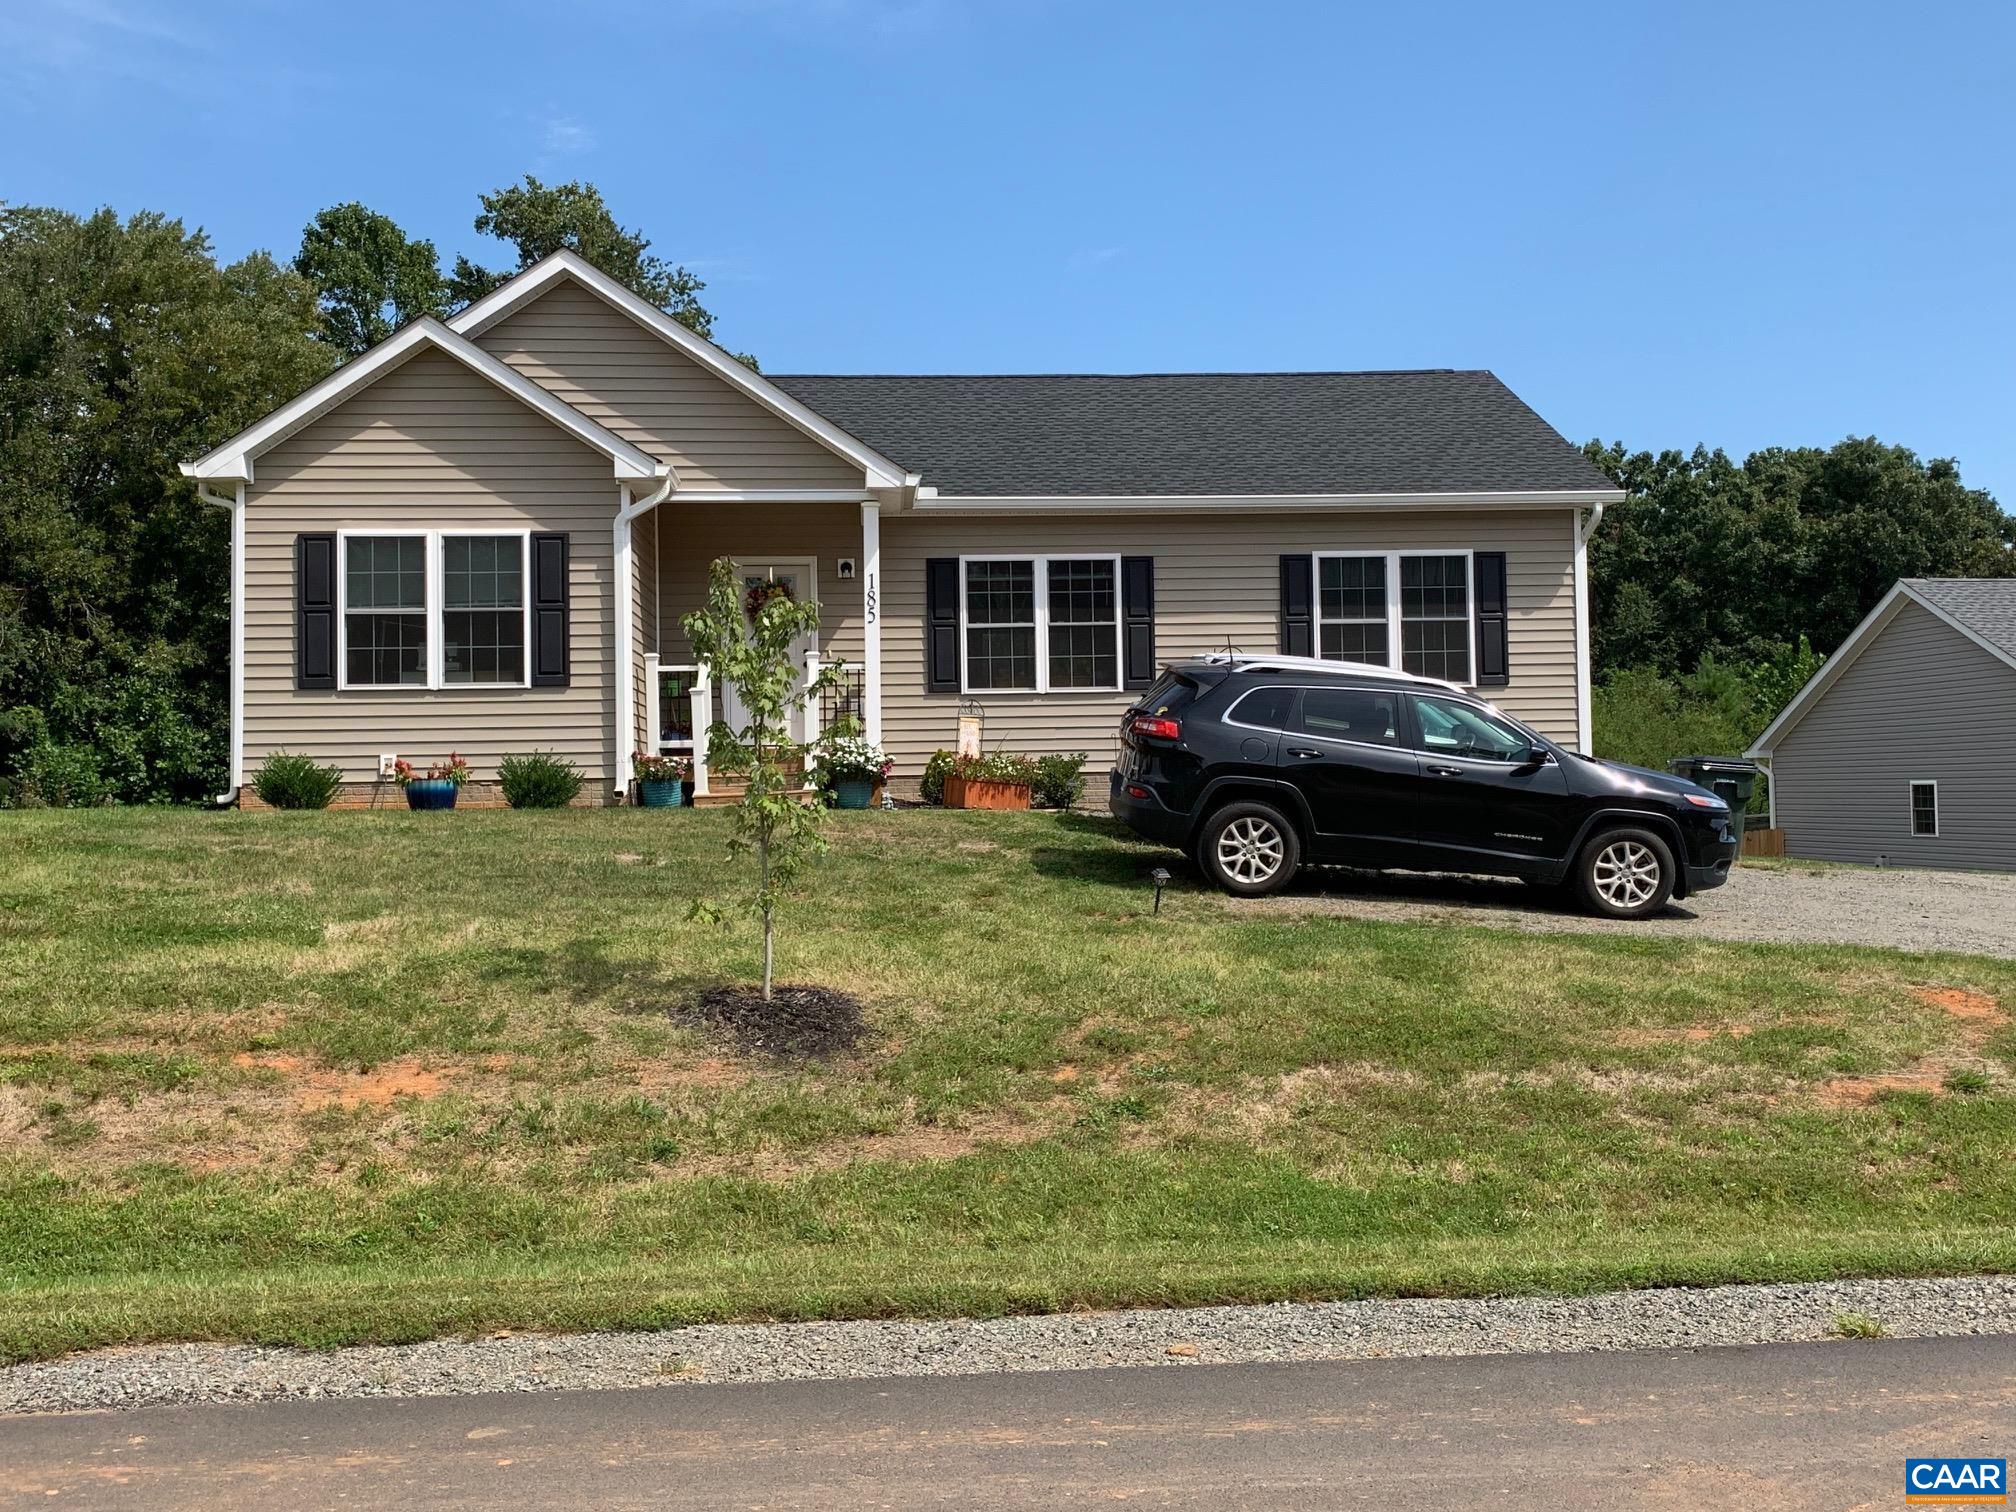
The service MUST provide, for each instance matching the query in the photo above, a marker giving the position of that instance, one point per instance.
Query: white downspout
(1584, 714)
(625, 716)
(236, 666)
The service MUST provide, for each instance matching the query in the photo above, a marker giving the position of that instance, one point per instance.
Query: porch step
(727, 793)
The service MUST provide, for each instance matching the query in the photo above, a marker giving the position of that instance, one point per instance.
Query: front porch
(825, 550)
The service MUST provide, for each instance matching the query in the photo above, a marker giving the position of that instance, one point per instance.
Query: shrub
(50, 774)
(1060, 780)
(932, 787)
(540, 780)
(289, 781)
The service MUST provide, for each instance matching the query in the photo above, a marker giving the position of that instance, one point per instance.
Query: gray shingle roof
(1987, 606)
(1433, 431)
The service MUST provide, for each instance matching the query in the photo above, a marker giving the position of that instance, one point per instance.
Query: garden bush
(932, 787)
(290, 781)
(1060, 780)
(540, 780)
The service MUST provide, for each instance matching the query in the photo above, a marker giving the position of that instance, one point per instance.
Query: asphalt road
(1787, 1425)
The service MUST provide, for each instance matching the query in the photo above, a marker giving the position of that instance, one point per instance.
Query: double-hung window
(1040, 624)
(433, 609)
(1372, 605)
(1925, 809)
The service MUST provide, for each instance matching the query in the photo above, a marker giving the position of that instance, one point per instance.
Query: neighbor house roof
(1982, 609)
(1096, 435)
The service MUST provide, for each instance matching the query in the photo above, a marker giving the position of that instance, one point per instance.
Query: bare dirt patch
(1859, 1091)
(798, 1023)
(320, 1087)
(1973, 1007)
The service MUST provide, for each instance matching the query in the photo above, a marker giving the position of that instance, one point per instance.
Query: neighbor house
(482, 535)
(1902, 747)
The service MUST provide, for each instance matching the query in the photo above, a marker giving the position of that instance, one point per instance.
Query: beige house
(482, 535)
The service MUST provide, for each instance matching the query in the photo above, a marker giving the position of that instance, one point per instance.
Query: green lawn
(336, 1077)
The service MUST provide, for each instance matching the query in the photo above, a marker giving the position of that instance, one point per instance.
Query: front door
(759, 580)
(1482, 804)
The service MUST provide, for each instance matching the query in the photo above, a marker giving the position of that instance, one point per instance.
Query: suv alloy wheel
(1249, 849)
(1625, 873)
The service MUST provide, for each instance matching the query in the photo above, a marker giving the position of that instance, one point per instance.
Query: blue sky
(1744, 225)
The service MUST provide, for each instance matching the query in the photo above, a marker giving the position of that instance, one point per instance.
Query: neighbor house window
(1370, 603)
(1925, 808)
(433, 609)
(1034, 624)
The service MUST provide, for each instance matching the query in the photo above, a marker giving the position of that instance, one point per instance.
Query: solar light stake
(1160, 878)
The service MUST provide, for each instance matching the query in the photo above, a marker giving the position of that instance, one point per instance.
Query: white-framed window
(1925, 809)
(1410, 609)
(1039, 624)
(433, 609)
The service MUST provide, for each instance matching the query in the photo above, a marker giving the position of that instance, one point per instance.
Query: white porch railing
(678, 708)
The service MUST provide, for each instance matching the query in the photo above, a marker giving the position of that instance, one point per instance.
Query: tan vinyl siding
(1217, 581)
(430, 445)
(641, 387)
(1922, 703)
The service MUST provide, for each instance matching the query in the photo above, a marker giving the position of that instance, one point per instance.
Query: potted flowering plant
(1001, 780)
(438, 788)
(851, 768)
(661, 780)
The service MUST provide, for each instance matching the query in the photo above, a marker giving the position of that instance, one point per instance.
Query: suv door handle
(1442, 771)
(1305, 752)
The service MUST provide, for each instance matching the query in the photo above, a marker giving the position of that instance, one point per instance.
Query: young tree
(755, 654)
(372, 277)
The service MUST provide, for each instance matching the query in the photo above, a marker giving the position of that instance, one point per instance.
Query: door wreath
(761, 593)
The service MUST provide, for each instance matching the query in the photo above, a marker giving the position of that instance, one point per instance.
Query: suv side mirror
(1532, 756)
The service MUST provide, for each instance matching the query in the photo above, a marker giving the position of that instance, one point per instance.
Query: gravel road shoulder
(1783, 902)
(1666, 1319)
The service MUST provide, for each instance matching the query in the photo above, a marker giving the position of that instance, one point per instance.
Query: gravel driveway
(1788, 902)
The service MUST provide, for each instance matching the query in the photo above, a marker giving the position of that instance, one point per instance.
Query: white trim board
(234, 458)
(1859, 639)
(935, 504)
(522, 289)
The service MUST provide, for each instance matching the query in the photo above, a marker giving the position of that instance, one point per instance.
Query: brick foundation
(389, 795)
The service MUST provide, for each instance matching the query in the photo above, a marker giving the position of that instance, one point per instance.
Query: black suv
(1256, 765)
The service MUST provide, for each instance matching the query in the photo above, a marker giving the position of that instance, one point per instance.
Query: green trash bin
(1730, 778)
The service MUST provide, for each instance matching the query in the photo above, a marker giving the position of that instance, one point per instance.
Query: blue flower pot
(431, 793)
(661, 794)
(853, 793)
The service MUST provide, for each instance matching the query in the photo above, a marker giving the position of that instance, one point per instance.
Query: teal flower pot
(853, 793)
(431, 793)
(661, 794)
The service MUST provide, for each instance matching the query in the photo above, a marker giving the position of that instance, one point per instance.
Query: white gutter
(625, 716)
(1585, 724)
(236, 668)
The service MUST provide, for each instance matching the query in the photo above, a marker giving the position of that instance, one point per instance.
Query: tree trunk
(769, 934)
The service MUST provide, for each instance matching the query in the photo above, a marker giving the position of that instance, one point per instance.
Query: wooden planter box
(962, 794)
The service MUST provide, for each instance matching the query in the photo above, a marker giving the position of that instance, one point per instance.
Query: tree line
(127, 347)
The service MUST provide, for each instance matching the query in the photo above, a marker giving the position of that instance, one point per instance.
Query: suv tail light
(1156, 727)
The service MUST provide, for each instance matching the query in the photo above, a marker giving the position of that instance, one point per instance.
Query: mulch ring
(798, 1023)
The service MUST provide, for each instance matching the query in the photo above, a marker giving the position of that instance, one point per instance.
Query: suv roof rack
(1241, 661)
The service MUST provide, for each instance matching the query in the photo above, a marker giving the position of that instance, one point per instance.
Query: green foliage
(1708, 557)
(771, 821)
(290, 781)
(1060, 780)
(125, 349)
(931, 788)
(541, 219)
(996, 766)
(373, 278)
(538, 780)
(1646, 717)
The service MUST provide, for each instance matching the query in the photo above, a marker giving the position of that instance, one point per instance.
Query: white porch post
(1584, 714)
(624, 732)
(871, 620)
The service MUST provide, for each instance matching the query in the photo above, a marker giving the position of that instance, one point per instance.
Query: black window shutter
(941, 625)
(1298, 606)
(1494, 666)
(550, 664)
(315, 610)
(1137, 613)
